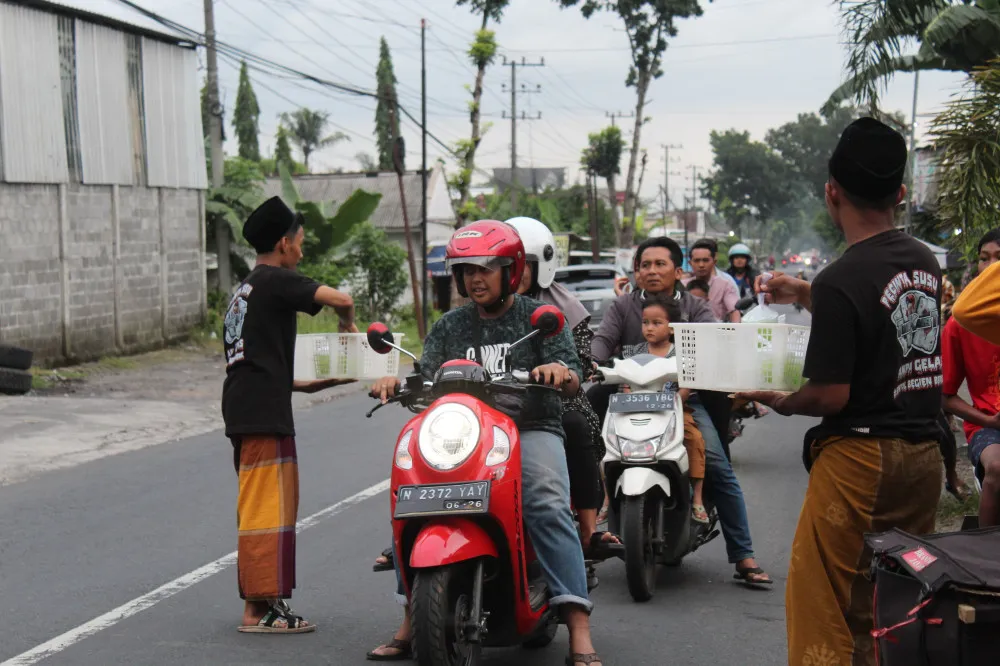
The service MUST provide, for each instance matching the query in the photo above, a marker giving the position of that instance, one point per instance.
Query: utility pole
(910, 162)
(613, 116)
(215, 135)
(694, 206)
(514, 184)
(595, 231)
(423, 169)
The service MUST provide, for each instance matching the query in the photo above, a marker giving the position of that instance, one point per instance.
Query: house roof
(113, 14)
(337, 187)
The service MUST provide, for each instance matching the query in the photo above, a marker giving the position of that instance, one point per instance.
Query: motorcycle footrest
(538, 594)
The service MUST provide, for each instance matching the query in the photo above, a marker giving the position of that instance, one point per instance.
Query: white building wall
(32, 134)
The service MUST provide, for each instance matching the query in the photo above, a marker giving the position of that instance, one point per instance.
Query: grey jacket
(622, 323)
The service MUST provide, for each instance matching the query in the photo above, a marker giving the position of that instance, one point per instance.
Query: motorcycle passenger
(741, 270)
(487, 259)
(657, 262)
(657, 313)
(698, 288)
(723, 294)
(584, 446)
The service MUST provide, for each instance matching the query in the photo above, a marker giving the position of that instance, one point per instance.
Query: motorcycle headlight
(448, 436)
(644, 451)
(403, 458)
(501, 448)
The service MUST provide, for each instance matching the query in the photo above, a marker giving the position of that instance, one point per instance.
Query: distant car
(593, 284)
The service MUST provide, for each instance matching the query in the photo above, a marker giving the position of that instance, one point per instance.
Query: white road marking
(164, 592)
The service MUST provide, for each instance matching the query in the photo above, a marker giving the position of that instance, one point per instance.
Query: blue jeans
(723, 488)
(981, 439)
(548, 519)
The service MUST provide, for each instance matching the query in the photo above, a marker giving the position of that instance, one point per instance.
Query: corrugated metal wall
(103, 100)
(175, 149)
(31, 106)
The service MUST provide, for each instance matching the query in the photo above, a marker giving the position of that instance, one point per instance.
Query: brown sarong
(266, 512)
(695, 445)
(856, 485)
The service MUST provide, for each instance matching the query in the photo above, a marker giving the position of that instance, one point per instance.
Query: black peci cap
(266, 225)
(869, 160)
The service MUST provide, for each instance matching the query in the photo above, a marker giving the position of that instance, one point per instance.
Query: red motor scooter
(467, 564)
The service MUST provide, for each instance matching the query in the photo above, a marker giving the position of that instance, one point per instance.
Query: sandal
(279, 619)
(752, 576)
(699, 514)
(405, 651)
(960, 493)
(585, 659)
(384, 562)
(599, 549)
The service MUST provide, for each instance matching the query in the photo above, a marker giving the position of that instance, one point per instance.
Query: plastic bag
(762, 314)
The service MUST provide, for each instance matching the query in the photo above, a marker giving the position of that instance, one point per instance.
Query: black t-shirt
(259, 335)
(876, 326)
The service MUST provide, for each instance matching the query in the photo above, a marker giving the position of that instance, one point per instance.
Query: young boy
(657, 313)
(698, 288)
(259, 336)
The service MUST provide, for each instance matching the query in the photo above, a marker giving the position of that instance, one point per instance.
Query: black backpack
(937, 598)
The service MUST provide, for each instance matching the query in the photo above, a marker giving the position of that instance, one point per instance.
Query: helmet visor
(489, 263)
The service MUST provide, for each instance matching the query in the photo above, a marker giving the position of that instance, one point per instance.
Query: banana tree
(954, 35)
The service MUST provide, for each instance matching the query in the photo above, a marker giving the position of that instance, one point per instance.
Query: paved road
(77, 543)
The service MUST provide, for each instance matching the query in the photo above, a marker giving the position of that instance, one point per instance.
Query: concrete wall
(91, 270)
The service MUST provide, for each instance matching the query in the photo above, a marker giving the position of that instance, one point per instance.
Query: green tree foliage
(384, 130)
(230, 205)
(967, 136)
(953, 35)
(327, 226)
(377, 277)
(245, 117)
(648, 24)
(807, 143)
(307, 129)
(559, 209)
(602, 157)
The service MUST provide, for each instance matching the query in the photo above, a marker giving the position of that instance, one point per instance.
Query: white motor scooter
(646, 468)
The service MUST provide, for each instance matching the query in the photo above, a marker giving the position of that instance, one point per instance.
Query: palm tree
(954, 35)
(306, 128)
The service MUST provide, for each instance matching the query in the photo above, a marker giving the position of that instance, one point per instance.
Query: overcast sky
(745, 64)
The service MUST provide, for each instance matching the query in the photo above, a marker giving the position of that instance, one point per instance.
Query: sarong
(695, 445)
(856, 485)
(266, 512)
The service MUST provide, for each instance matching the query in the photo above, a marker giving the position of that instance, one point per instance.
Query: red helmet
(487, 243)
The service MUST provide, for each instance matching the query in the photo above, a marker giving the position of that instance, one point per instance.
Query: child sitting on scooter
(657, 313)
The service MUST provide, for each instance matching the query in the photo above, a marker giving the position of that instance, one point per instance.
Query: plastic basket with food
(741, 357)
(342, 356)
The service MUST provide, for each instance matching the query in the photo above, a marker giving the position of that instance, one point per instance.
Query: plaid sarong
(266, 512)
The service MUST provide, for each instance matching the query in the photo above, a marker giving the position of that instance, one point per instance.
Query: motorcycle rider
(584, 446)
(487, 259)
(741, 270)
(723, 294)
(657, 263)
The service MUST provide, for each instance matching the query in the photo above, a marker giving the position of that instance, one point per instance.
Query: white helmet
(539, 247)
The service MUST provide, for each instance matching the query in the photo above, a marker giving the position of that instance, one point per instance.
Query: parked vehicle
(465, 557)
(593, 284)
(646, 466)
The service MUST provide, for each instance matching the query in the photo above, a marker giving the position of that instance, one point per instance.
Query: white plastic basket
(741, 357)
(342, 356)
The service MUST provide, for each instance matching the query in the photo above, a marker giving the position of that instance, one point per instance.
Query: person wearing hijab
(259, 335)
(875, 376)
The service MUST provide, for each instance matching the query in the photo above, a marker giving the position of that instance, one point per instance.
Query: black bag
(937, 598)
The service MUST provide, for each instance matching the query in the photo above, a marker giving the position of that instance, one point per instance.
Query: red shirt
(968, 357)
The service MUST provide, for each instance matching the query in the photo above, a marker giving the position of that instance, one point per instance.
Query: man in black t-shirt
(259, 336)
(874, 370)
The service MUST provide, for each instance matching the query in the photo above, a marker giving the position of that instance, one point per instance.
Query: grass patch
(42, 379)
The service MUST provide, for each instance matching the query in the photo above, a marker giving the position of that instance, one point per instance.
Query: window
(67, 80)
(137, 105)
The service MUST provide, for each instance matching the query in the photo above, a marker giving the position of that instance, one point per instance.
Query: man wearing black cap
(259, 336)
(875, 376)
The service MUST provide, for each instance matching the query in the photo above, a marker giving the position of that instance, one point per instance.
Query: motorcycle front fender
(450, 540)
(637, 481)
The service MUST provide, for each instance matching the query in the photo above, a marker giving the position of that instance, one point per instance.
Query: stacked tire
(14, 364)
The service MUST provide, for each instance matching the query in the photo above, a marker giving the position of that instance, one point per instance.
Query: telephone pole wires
(513, 118)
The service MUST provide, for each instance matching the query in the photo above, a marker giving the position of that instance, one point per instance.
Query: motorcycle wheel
(543, 638)
(439, 606)
(638, 523)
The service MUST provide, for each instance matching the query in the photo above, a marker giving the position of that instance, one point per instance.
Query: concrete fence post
(67, 325)
(116, 268)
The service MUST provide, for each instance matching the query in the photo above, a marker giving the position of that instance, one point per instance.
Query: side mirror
(548, 320)
(378, 337)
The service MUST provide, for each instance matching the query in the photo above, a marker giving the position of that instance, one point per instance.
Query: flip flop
(388, 564)
(746, 576)
(405, 651)
(599, 549)
(279, 619)
(585, 659)
(697, 511)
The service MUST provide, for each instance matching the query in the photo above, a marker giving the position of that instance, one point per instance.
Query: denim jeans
(548, 520)
(723, 488)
